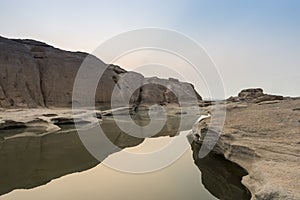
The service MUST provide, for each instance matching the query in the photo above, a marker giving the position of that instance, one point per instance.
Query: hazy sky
(253, 43)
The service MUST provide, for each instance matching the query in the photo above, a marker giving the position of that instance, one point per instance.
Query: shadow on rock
(221, 177)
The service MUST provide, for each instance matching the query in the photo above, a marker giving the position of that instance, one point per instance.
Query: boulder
(254, 95)
(163, 91)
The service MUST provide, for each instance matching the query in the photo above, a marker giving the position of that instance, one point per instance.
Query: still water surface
(57, 166)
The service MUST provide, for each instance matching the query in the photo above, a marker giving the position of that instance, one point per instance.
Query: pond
(58, 166)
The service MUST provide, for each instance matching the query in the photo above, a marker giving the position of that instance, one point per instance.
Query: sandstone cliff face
(34, 74)
(162, 91)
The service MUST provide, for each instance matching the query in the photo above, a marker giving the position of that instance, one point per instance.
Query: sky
(253, 43)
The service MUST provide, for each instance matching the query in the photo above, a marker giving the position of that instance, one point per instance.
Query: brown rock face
(162, 91)
(34, 74)
(251, 93)
(254, 95)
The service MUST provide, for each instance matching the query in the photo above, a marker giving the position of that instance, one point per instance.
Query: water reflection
(221, 177)
(28, 162)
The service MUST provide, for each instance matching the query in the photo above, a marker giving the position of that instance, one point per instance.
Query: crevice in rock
(3, 91)
(30, 92)
(41, 86)
(139, 99)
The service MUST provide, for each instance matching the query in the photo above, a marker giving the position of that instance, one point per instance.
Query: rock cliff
(35, 74)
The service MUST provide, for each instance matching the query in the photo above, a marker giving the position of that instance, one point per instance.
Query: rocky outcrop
(254, 95)
(163, 91)
(34, 74)
(264, 140)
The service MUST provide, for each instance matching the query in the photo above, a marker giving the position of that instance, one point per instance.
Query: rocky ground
(262, 134)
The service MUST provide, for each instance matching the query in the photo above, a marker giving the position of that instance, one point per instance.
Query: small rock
(98, 115)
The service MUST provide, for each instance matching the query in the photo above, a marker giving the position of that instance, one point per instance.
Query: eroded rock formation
(263, 138)
(254, 95)
(35, 74)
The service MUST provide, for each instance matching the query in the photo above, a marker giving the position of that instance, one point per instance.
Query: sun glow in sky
(253, 43)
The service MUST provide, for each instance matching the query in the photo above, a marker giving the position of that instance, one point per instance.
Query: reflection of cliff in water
(221, 177)
(31, 161)
(27, 162)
